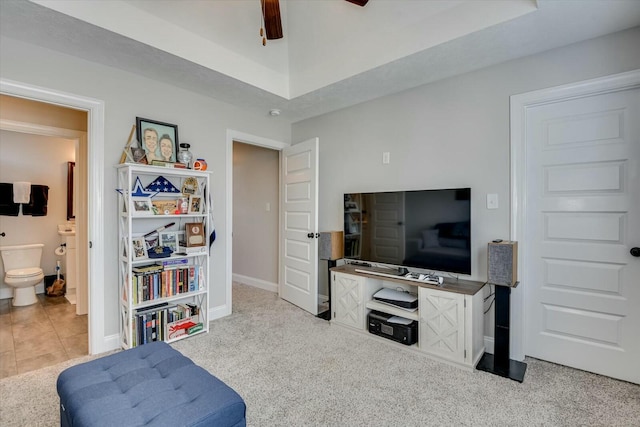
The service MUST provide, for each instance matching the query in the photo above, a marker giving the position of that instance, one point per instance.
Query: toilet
(22, 271)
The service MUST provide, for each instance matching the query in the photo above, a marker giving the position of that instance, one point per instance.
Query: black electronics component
(384, 325)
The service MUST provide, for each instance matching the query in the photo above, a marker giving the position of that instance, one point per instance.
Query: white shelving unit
(170, 292)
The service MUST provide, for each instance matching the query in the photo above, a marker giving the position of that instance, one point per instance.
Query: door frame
(521, 304)
(245, 138)
(98, 341)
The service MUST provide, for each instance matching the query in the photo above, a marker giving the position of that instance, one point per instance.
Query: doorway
(91, 236)
(255, 215)
(234, 137)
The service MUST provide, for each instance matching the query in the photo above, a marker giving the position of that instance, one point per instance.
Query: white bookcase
(163, 298)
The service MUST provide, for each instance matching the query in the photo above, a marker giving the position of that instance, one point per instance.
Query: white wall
(449, 134)
(39, 160)
(201, 121)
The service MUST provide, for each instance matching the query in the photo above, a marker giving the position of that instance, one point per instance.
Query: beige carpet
(293, 369)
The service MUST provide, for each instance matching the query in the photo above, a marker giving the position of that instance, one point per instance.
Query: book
(173, 261)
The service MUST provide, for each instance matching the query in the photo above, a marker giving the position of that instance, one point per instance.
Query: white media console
(450, 316)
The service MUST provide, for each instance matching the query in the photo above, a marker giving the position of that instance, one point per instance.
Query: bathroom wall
(39, 160)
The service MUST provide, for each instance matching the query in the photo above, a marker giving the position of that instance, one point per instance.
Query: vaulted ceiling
(333, 54)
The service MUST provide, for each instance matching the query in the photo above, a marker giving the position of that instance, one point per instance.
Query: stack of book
(165, 279)
(163, 322)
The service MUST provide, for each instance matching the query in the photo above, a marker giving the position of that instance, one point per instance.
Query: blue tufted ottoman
(152, 385)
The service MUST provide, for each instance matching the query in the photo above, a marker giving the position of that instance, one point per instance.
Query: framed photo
(142, 206)
(139, 248)
(194, 232)
(158, 140)
(195, 204)
(169, 239)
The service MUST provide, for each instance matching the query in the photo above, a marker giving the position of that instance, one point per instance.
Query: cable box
(398, 298)
(392, 327)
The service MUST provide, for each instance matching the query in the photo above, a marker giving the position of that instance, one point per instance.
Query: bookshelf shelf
(166, 298)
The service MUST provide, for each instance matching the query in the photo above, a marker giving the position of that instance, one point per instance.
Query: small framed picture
(169, 239)
(195, 204)
(142, 206)
(165, 207)
(158, 140)
(194, 232)
(139, 248)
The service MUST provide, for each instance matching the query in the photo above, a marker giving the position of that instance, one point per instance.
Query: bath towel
(38, 203)
(21, 192)
(7, 207)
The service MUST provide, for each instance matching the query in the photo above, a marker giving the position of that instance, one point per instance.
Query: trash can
(54, 291)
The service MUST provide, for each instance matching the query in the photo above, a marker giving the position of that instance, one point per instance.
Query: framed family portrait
(158, 140)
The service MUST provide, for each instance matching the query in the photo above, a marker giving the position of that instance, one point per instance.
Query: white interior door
(299, 237)
(582, 219)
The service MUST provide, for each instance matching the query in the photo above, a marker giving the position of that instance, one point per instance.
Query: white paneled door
(299, 235)
(582, 210)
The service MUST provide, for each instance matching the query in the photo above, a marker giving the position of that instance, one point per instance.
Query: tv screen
(426, 229)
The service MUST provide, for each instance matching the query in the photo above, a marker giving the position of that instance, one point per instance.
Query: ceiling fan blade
(358, 2)
(271, 15)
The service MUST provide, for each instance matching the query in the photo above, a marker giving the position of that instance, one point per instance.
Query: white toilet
(22, 271)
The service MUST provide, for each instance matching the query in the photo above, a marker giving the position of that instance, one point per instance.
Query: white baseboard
(109, 343)
(488, 344)
(257, 283)
(219, 312)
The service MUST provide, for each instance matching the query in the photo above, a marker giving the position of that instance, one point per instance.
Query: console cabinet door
(442, 324)
(348, 300)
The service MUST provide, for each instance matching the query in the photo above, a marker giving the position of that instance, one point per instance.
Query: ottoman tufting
(152, 385)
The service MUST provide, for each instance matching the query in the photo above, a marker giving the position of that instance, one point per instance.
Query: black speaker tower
(499, 363)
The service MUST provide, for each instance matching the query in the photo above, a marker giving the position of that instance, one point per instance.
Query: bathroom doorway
(40, 139)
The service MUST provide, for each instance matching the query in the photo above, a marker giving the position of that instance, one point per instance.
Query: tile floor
(40, 335)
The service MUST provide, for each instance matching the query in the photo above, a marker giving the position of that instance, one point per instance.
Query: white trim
(234, 135)
(519, 105)
(98, 342)
(256, 283)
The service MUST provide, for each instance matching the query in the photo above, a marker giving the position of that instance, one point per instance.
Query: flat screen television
(426, 229)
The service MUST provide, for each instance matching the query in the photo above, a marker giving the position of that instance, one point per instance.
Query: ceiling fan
(272, 22)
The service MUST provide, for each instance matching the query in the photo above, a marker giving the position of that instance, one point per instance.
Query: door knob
(635, 252)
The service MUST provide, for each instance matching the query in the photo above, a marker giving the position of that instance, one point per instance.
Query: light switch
(267, 207)
(386, 158)
(492, 201)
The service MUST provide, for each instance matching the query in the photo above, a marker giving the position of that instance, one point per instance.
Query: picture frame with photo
(159, 140)
(195, 204)
(169, 239)
(194, 233)
(139, 247)
(142, 206)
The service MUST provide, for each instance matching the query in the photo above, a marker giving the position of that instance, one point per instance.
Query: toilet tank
(21, 256)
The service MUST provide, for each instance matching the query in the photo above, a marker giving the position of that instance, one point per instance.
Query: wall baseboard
(488, 344)
(257, 283)
(219, 312)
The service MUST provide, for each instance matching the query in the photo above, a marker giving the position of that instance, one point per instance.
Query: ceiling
(334, 54)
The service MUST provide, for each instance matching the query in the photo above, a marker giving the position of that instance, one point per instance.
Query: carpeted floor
(293, 369)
